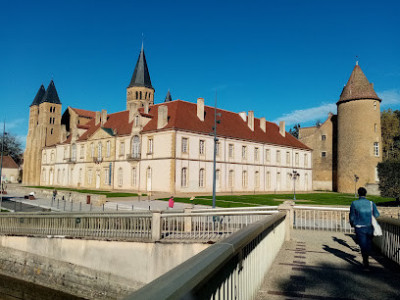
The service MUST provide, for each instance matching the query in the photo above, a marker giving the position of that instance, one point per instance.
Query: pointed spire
(39, 96)
(358, 87)
(141, 76)
(168, 97)
(51, 95)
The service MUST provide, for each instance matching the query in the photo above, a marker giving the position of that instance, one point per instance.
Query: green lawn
(277, 199)
(107, 193)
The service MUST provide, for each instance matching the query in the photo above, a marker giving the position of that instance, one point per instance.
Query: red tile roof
(118, 122)
(9, 163)
(358, 87)
(183, 115)
(84, 113)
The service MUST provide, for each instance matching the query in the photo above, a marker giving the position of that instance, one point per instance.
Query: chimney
(162, 119)
(200, 108)
(250, 120)
(282, 128)
(97, 119)
(103, 117)
(243, 115)
(263, 124)
(146, 107)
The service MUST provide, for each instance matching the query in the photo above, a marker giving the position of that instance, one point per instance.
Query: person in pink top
(171, 202)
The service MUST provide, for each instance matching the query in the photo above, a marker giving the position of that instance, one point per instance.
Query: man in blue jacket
(361, 211)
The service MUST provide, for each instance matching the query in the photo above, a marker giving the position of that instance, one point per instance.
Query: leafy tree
(390, 127)
(295, 130)
(12, 147)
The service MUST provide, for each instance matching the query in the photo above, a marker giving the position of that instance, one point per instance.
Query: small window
(231, 178)
(201, 147)
(256, 154)
(257, 179)
(121, 149)
(184, 145)
(231, 150)
(374, 105)
(323, 154)
(244, 179)
(244, 152)
(51, 131)
(217, 146)
(150, 146)
(296, 159)
(305, 160)
(184, 177)
(375, 127)
(323, 137)
(287, 158)
(278, 156)
(201, 178)
(267, 155)
(376, 149)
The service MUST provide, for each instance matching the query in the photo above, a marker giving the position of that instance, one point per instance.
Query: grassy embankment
(277, 199)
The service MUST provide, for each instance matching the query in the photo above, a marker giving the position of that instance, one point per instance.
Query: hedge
(389, 178)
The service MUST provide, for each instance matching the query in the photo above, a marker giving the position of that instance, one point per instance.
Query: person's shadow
(350, 258)
(345, 244)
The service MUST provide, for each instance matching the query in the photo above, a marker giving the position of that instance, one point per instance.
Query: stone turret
(358, 133)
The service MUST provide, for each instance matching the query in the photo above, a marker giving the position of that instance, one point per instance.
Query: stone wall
(91, 268)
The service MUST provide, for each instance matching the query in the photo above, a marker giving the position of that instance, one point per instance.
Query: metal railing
(233, 268)
(207, 225)
(321, 218)
(389, 242)
(127, 226)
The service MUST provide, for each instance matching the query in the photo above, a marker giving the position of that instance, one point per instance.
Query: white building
(167, 147)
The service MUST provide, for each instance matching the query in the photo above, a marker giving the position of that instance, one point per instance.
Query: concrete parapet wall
(136, 263)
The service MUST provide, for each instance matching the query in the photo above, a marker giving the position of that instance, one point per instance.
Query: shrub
(389, 178)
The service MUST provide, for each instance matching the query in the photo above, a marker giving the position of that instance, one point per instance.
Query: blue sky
(283, 59)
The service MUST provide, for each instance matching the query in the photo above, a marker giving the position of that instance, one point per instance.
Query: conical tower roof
(358, 87)
(141, 76)
(39, 96)
(51, 95)
(168, 97)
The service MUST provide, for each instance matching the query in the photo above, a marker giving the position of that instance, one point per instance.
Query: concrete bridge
(286, 252)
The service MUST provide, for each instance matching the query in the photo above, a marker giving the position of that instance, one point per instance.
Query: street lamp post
(355, 185)
(294, 175)
(1, 165)
(214, 133)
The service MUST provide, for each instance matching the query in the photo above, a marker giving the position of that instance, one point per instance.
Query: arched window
(51, 131)
(120, 177)
(244, 179)
(184, 177)
(257, 179)
(108, 148)
(201, 178)
(136, 120)
(217, 178)
(268, 180)
(134, 177)
(135, 147)
(73, 152)
(231, 178)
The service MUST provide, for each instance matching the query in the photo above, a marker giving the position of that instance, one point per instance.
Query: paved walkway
(327, 265)
(112, 204)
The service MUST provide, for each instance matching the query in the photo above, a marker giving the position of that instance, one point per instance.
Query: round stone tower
(358, 133)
